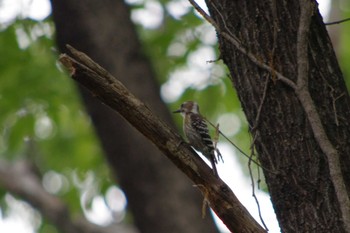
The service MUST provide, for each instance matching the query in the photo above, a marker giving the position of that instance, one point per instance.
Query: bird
(197, 133)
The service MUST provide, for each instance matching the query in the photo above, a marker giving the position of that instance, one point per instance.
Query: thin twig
(337, 22)
(240, 150)
(334, 100)
(303, 44)
(216, 139)
(257, 118)
(232, 143)
(253, 191)
(259, 177)
(205, 202)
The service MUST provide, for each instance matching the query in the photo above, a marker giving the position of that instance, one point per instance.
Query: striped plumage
(196, 131)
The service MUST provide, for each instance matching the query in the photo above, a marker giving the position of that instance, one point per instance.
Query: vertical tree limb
(307, 9)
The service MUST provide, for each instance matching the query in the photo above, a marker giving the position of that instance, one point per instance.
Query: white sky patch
(206, 33)
(116, 202)
(176, 50)
(21, 218)
(229, 124)
(34, 9)
(8, 10)
(38, 9)
(324, 7)
(178, 8)
(134, 2)
(105, 210)
(23, 39)
(197, 74)
(54, 182)
(16, 224)
(44, 127)
(43, 29)
(199, 58)
(151, 16)
(202, 5)
(231, 173)
(116, 199)
(99, 213)
(180, 80)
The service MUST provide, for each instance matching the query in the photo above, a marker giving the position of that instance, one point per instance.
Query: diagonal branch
(114, 94)
(306, 12)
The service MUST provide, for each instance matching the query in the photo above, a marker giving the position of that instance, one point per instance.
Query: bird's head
(188, 107)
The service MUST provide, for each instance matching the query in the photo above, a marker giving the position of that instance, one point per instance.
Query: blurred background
(48, 138)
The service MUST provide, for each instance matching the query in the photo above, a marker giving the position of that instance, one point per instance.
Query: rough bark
(304, 192)
(160, 198)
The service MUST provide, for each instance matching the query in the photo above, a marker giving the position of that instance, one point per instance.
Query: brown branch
(302, 91)
(306, 12)
(21, 179)
(331, 153)
(257, 118)
(114, 94)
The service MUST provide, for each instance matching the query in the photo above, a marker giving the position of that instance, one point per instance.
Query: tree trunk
(301, 187)
(160, 198)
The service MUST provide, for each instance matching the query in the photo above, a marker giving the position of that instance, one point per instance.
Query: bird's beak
(177, 111)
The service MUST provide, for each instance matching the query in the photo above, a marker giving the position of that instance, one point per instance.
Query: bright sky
(21, 220)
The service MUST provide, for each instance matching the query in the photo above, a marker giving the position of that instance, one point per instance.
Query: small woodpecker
(197, 133)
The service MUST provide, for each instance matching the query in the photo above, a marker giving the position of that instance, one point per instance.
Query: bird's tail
(213, 162)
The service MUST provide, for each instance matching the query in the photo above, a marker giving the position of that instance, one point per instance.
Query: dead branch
(114, 94)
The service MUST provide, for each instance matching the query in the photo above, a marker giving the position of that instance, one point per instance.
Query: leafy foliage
(41, 116)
